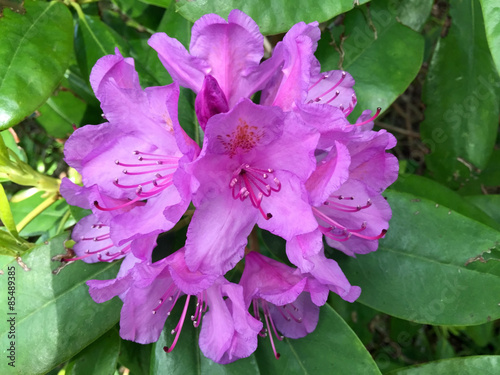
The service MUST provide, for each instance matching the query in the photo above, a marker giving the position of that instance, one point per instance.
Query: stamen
(346, 233)
(276, 354)
(164, 298)
(178, 328)
(251, 182)
(370, 119)
(318, 81)
(320, 97)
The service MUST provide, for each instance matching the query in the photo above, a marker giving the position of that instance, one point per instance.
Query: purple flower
(137, 158)
(93, 243)
(289, 299)
(251, 170)
(150, 292)
(230, 51)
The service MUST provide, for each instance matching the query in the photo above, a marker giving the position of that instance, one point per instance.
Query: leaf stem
(37, 211)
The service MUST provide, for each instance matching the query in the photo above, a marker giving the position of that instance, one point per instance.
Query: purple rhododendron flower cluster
(292, 165)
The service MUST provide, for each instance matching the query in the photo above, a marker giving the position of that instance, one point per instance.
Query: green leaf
(135, 357)
(10, 247)
(427, 263)
(36, 49)
(491, 14)
(6, 214)
(434, 191)
(488, 203)
(461, 116)
(60, 112)
(481, 334)
(414, 13)
(99, 358)
(159, 3)
(93, 40)
(487, 178)
(382, 64)
(47, 220)
(186, 358)
(272, 16)
(56, 318)
(332, 347)
(484, 365)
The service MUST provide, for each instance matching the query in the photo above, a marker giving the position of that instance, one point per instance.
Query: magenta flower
(150, 292)
(93, 243)
(230, 51)
(288, 299)
(136, 159)
(292, 165)
(251, 170)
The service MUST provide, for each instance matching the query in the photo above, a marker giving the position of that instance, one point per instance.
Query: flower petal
(188, 71)
(218, 234)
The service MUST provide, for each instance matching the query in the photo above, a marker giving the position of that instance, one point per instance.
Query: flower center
(254, 184)
(149, 176)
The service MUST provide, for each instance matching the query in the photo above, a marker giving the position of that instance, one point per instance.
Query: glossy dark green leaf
(488, 203)
(186, 358)
(414, 13)
(440, 194)
(461, 116)
(36, 48)
(55, 316)
(427, 269)
(331, 348)
(272, 16)
(491, 15)
(60, 113)
(382, 64)
(93, 40)
(484, 179)
(99, 358)
(135, 357)
(484, 365)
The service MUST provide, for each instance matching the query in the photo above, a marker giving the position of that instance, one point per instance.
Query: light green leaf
(461, 116)
(272, 16)
(55, 316)
(427, 269)
(6, 214)
(159, 3)
(484, 365)
(60, 113)
(36, 49)
(491, 15)
(49, 219)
